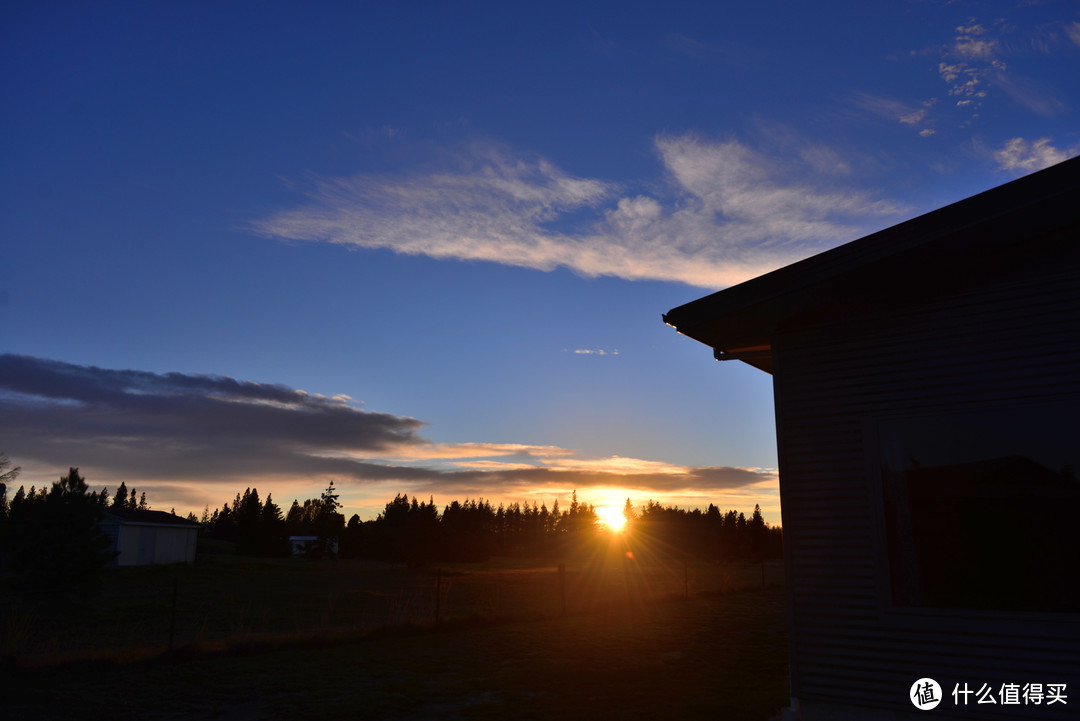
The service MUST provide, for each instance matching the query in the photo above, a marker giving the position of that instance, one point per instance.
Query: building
(143, 537)
(926, 385)
(312, 546)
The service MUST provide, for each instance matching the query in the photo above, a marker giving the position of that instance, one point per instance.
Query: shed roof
(145, 517)
(968, 243)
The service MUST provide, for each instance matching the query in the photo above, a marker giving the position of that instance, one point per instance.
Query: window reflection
(980, 508)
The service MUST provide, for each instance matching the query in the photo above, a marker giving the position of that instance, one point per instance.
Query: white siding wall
(142, 545)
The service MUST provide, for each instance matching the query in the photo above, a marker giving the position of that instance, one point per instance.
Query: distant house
(142, 537)
(927, 393)
(312, 545)
(300, 545)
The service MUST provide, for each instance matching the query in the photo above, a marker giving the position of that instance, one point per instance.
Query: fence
(228, 601)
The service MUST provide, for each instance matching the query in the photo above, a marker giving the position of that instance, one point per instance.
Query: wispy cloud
(892, 109)
(193, 440)
(825, 160)
(493, 207)
(595, 351)
(450, 451)
(969, 59)
(1031, 94)
(975, 63)
(1072, 30)
(728, 213)
(1022, 156)
(727, 54)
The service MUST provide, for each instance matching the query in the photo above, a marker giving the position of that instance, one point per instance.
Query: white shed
(142, 537)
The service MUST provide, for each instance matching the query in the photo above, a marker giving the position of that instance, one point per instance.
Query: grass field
(291, 639)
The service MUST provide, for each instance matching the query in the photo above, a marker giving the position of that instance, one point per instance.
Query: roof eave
(747, 315)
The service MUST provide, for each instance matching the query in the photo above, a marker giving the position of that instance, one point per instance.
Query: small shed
(926, 385)
(144, 537)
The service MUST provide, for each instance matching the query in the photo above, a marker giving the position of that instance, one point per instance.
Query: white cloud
(913, 118)
(734, 214)
(825, 160)
(595, 351)
(967, 62)
(973, 65)
(1019, 155)
(973, 49)
(492, 209)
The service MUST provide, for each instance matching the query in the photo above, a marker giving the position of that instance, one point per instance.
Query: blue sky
(425, 247)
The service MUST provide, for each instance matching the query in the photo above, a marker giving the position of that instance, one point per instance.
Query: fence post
(685, 579)
(562, 586)
(172, 616)
(438, 594)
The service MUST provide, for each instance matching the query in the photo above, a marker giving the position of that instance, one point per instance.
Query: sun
(611, 517)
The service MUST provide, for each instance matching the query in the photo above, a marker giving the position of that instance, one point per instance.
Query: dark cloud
(176, 425)
(481, 482)
(183, 435)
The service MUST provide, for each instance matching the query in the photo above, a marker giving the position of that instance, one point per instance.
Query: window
(981, 508)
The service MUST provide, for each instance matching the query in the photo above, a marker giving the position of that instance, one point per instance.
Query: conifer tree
(120, 500)
(58, 547)
(6, 477)
(294, 519)
(329, 523)
(273, 539)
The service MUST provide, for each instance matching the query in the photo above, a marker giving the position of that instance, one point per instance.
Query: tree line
(416, 532)
(259, 528)
(51, 538)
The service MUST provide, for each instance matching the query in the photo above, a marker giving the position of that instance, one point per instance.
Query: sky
(425, 248)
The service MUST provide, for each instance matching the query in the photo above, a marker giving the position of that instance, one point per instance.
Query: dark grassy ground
(254, 639)
(721, 657)
(226, 600)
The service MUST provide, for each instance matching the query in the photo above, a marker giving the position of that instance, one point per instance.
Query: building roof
(968, 243)
(141, 517)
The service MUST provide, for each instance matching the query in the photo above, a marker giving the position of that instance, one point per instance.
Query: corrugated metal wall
(1014, 342)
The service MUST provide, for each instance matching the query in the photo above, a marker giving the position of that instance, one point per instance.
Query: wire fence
(226, 602)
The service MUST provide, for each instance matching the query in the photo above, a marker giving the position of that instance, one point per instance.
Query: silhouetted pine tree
(328, 523)
(351, 544)
(58, 547)
(247, 514)
(273, 538)
(7, 475)
(294, 519)
(120, 500)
